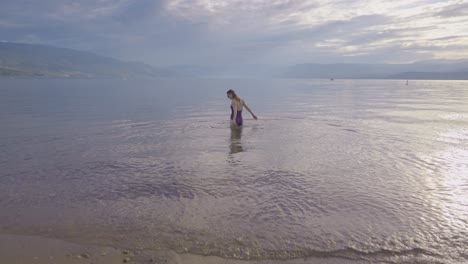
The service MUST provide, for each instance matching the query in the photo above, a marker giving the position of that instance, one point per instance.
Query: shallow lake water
(355, 169)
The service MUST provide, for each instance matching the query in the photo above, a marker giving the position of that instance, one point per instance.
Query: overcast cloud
(275, 32)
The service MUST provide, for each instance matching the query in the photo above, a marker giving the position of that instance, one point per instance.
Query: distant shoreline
(40, 77)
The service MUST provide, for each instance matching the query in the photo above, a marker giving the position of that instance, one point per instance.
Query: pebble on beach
(127, 259)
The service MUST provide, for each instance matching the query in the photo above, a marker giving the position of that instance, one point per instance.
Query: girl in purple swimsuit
(236, 109)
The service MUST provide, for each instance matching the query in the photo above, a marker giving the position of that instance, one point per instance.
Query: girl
(236, 109)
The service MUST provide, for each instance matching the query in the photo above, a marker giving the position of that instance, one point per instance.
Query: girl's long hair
(234, 95)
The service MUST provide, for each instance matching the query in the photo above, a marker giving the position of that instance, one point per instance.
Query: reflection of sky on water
(455, 173)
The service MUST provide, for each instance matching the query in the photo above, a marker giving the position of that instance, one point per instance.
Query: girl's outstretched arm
(250, 110)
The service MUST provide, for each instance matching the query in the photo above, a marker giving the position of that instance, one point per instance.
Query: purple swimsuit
(238, 117)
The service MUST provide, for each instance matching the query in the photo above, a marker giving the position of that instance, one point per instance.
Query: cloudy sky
(274, 32)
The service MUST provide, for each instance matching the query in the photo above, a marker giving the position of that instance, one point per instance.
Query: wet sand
(29, 249)
(21, 249)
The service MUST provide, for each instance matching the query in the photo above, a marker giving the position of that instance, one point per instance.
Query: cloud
(169, 32)
(455, 10)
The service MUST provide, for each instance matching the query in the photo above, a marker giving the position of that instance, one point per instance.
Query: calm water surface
(356, 169)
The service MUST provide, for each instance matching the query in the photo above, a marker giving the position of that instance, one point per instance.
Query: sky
(271, 32)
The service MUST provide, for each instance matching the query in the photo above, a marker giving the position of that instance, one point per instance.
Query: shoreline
(25, 249)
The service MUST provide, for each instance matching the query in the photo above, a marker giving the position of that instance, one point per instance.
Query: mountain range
(431, 70)
(19, 60)
(31, 60)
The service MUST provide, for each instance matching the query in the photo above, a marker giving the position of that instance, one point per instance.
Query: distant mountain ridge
(18, 60)
(456, 69)
(31, 60)
(432, 70)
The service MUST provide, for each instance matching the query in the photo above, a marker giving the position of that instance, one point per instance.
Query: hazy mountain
(29, 60)
(433, 69)
(342, 71)
(230, 70)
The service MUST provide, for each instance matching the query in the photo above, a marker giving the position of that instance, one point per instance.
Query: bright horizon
(204, 32)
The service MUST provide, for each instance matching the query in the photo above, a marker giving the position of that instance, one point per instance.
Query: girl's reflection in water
(236, 144)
